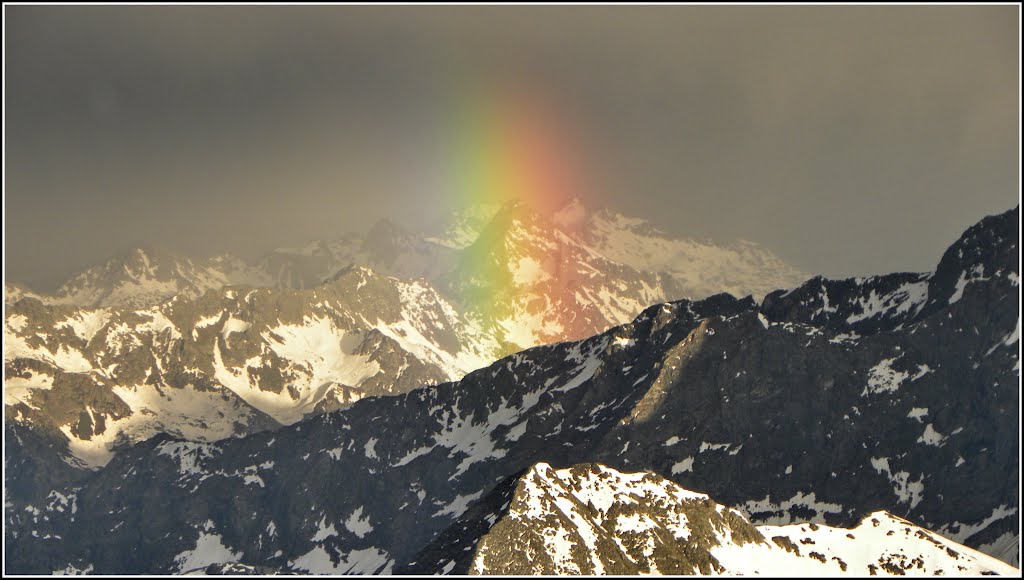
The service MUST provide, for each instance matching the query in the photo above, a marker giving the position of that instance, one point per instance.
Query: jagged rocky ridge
(230, 362)
(593, 520)
(889, 397)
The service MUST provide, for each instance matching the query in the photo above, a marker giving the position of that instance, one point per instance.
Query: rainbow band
(509, 144)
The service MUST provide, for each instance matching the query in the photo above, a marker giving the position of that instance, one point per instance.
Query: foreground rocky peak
(593, 520)
(587, 519)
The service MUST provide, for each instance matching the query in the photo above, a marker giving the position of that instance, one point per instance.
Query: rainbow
(511, 143)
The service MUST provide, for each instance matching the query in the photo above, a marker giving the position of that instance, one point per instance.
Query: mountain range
(823, 414)
(150, 342)
(146, 276)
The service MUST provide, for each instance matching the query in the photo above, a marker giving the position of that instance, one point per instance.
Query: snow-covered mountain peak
(594, 520)
(702, 267)
(139, 277)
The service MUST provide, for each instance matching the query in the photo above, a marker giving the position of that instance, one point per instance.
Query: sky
(849, 140)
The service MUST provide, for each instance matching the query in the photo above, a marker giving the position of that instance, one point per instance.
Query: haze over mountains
(823, 403)
(146, 276)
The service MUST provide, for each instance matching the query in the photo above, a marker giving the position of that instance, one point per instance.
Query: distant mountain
(145, 277)
(824, 404)
(386, 248)
(15, 292)
(593, 520)
(700, 267)
(463, 226)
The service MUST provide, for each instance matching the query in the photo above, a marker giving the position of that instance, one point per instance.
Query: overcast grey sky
(848, 139)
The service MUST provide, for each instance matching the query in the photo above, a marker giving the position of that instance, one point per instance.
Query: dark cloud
(849, 139)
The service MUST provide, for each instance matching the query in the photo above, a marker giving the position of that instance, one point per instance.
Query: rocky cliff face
(900, 393)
